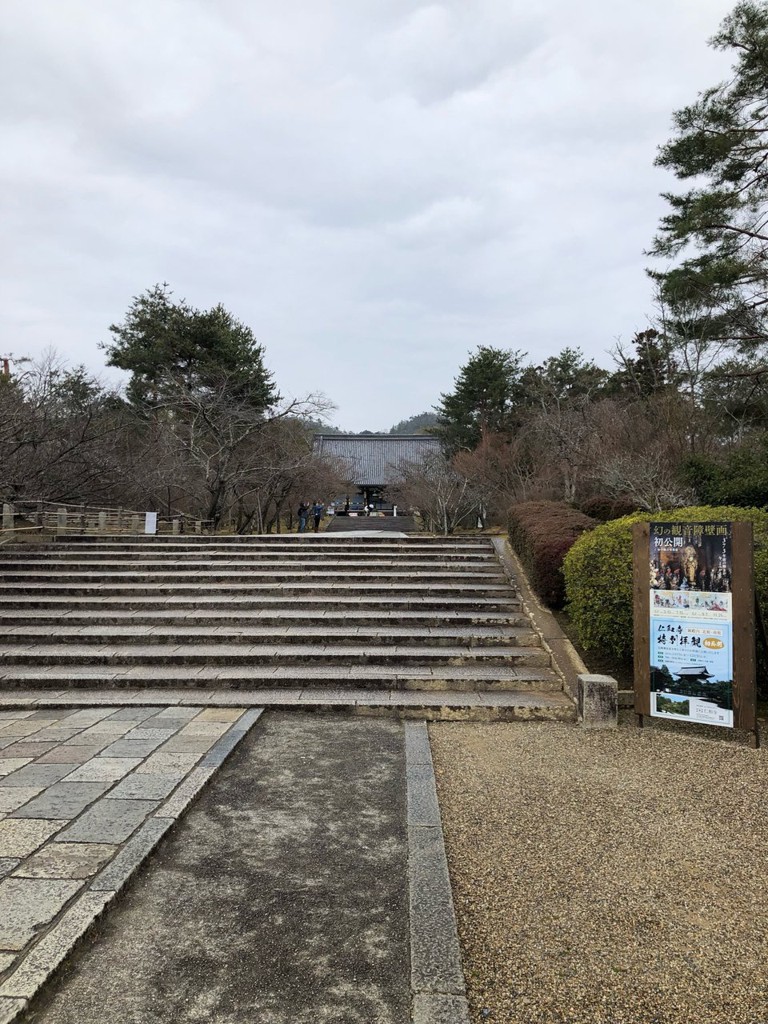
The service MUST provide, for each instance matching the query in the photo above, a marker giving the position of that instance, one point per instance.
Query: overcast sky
(374, 186)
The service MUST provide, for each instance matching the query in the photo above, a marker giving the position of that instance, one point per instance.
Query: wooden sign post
(694, 615)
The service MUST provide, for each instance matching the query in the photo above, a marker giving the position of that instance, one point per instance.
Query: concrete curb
(565, 658)
(437, 978)
(45, 958)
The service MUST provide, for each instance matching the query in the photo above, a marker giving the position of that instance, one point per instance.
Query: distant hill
(318, 427)
(419, 424)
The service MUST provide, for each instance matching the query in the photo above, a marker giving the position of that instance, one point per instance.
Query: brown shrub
(605, 508)
(542, 532)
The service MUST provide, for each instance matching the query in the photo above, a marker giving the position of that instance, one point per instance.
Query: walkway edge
(565, 658)
(45, 959)
(437, 979)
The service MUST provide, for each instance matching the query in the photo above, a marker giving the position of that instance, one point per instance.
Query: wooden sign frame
(743, 626)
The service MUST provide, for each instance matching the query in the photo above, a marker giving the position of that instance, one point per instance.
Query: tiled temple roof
(374, 460)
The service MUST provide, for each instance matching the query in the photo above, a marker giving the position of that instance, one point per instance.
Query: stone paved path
(280, 897)
(84, 794)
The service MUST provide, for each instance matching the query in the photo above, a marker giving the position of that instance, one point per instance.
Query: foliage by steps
(598, 573)
(542, 532)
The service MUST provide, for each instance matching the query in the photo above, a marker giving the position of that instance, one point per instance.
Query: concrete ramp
(281, 897)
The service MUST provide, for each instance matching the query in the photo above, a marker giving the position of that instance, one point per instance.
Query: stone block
(43, 960)
(429, 1008)
(186, 793)
(164, 764)
(7, 865)
(40, 775)
(146, 787)
(67, 860)
(131, 748)
(10, 1009)
(27, 748)
(104, 769)
(21, 836)
(10, 799)
(417, 749)
(423, 808)
(63, 800)
(65, 754)
(598, 701)
(435, 955)
(28, 903)
(108, 821)
(129, 859)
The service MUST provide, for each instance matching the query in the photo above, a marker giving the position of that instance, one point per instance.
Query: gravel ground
(619, 878)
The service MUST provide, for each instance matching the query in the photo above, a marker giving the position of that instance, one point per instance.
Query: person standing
(303, 515)
(317, 514)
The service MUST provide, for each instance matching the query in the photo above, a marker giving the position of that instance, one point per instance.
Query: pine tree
(486, 398)
(173, 349)
(719, 227)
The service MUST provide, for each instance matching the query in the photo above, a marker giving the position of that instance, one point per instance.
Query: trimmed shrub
(598, 573)
(604, 508)
(541, 532)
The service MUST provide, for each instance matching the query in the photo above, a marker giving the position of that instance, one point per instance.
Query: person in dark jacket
(317, 513)
(303, 515)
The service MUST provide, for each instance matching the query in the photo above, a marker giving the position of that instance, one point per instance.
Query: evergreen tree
(487, 396)
(718, 227)
(650, 370)
(564, 378)
(171, 348)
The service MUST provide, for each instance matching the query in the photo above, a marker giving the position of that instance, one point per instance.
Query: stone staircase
(373, 622)
(366, 524)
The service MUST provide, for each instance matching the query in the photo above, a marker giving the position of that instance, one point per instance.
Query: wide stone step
(266, 562)
(292, 591)
(388, 524)
(325, 633)
(209, 619)
(308, 602)
(283, 541)
(315, 677)
(260, 654)
(95, 616)
(150, 556)
(168, 577)
(453, 705)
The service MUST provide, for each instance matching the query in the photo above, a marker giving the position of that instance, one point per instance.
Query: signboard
(694, 615)
(150, 522)
(691, 622)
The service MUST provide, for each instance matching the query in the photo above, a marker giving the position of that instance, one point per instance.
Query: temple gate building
(372, 462)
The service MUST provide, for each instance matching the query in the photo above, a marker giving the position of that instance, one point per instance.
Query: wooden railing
(23, 517)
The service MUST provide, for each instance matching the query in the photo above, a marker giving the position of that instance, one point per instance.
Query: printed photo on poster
(691, 622)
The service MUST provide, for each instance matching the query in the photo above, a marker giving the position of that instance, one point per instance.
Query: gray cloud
(375, 188)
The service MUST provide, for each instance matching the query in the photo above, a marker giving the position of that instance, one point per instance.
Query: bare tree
(442, 496)
(58, 434)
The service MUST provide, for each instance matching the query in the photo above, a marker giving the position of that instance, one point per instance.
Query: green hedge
(598, 573)
(541, 532)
